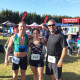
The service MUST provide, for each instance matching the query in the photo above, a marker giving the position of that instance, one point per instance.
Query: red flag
(23, 16)
(45, 19)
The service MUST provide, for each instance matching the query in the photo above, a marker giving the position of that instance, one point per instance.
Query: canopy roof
(9, 24)
(34, 24)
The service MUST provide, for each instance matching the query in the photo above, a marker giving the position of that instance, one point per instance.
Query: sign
(71, 30)
(70, 20)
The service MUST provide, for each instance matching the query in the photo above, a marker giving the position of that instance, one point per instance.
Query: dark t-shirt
(55, 44)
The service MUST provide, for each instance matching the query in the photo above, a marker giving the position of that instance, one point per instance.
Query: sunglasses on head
(51, 25)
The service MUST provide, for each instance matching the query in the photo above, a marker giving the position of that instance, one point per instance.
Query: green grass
(4, 38)
(71, 68)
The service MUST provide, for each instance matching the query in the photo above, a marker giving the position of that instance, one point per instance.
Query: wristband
(61, 60)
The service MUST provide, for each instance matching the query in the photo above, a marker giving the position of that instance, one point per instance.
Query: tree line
(15, 16)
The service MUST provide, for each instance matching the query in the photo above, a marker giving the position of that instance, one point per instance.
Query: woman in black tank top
(36, 56)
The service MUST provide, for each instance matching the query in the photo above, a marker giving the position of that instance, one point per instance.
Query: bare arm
(43, 41)
(30, 37)
(9, 49)
(64, 51)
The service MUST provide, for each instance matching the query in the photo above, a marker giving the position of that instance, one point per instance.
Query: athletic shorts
(38, 63)
(22, 64)
(52, 69)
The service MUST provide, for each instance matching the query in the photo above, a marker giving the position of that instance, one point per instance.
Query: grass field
(71, 68)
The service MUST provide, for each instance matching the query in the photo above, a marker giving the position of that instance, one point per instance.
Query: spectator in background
(15, 30)
(78, 45)
(30, 31)
(27, 31)
(70, 42)
(45, 35)
(41, 31)
(64, 31)
(45, 31)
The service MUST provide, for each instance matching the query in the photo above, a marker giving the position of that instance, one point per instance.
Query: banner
(71, 30)
(70, 20)
(45, 19)
(23, 16)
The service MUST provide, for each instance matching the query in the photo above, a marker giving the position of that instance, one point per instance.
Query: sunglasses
(51, 25)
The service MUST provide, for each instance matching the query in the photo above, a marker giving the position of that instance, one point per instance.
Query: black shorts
(22, 64)
(38, 63)
(52, 69)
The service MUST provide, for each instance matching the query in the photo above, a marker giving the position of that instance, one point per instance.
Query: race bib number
(51, 59)
(35, 56)
(15, 60)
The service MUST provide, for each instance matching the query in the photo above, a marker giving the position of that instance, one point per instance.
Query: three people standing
(56, 51)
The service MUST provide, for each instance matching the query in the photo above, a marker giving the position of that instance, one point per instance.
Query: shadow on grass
(70, 76)
(71, 59)
(6, 77)
(28, 77)
(65, 76)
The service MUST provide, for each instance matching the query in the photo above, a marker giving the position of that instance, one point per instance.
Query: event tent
(6, 26)
(34, 25)
(9, 24)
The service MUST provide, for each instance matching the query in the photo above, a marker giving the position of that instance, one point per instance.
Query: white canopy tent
(34, 25)
(9, 24)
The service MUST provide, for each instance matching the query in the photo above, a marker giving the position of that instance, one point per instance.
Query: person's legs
(78, 51)
(23, 67)
(57, 71)
(40, 73)
(23, 74)
(51, 77)
(70, 51)
(35, 73)
(49, 70)
(58, 79)
(15, 68)
(15, 73)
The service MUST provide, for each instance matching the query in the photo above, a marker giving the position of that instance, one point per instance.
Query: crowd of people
(73, 44)
(48, 40)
